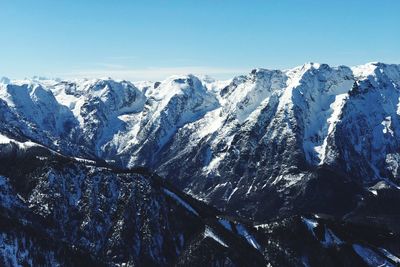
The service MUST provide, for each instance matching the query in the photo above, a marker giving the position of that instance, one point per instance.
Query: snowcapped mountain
(223, 141)
(267, 145)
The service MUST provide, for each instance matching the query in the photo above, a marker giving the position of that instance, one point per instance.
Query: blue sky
(141, 40)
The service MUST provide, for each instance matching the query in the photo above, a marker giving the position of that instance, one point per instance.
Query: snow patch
(365, 70)
(22, 145)
(231, 194)
(390, 255)
(310, 224)
(180, 201)
(336, 108)
(398, 107)
(86, 161)
(213, 165)
(370, 257)
(211, 122)
(209, 233)
(4, 139)
(387, 126)
(250, 238)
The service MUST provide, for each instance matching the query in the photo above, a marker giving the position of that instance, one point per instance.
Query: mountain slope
(58, 210)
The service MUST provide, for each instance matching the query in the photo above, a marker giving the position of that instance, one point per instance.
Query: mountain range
(296, 167)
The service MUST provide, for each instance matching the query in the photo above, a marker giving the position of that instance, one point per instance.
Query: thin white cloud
(152, 73)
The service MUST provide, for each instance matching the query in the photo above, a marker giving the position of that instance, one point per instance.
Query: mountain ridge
(220, 141)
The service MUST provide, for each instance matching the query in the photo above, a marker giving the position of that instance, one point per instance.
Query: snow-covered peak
(4, 80)
(378, 74)
(181, 90)
(118, 96)
(21, 95)
(303, 68)
(37, 104)
(246, 93)
(179, 84)
(122, 97)
(364, 70)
